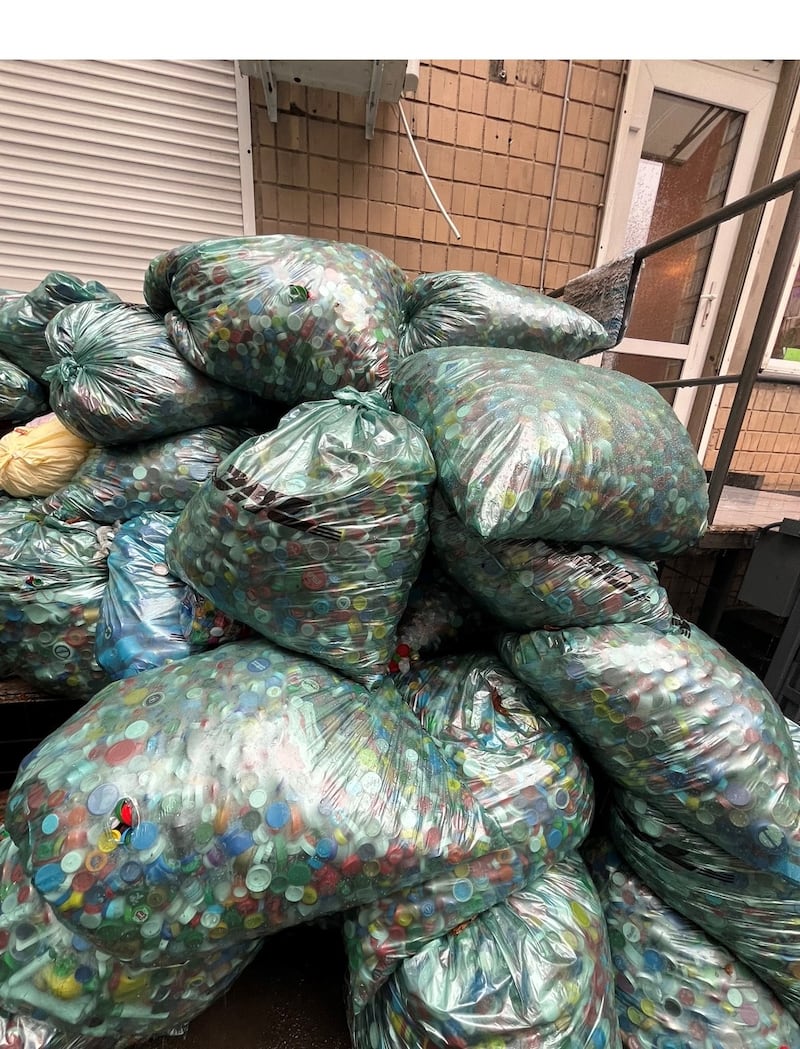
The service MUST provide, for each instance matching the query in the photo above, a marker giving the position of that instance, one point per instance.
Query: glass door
(688, 144)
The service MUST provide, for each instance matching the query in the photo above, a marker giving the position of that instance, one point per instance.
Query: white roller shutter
(104, 165)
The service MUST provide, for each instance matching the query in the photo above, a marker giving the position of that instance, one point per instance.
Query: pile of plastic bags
(354, 585)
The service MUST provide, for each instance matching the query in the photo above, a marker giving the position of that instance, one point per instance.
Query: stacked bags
(355, 756)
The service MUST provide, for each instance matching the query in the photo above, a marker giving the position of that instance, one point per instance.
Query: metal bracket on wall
(373, 96)
(270, 89)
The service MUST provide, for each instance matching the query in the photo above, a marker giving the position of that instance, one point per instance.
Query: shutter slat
(105, 164)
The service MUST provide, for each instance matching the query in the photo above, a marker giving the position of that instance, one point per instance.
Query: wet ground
(291, 997)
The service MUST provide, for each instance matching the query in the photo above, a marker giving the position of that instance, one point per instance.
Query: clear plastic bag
(756, 914)
(40, 457)
(674, 986)
(21, 396)
(52, 578)
(314, 534)
(24, 318)
(117, 379)
(525, 584)
(523, 769)
(143, 613)
(288, 318)
(457, 308)
(252, 788)
(118, 483)
(531, 447)
(533, 972)
(63, 993)
(677, 720)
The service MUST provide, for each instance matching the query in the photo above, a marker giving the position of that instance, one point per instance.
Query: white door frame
(734, 88)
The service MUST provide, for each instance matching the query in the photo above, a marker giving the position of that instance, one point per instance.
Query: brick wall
(489, 147)
(769, 442)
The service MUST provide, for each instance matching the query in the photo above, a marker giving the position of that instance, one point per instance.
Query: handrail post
(776, 282)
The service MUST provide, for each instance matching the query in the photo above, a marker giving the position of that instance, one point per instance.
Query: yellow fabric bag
(39, 457)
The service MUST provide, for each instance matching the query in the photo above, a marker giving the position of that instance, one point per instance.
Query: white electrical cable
(428, 182)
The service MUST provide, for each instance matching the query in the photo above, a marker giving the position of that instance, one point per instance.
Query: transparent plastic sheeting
(24, 319)
(533, 972)
(52, 578)
(458, 308)
(313, 534)
(64, 993)
(39, 457)
(674, 986)
(147, 616)
(21, 396)
(525, 584)
(679, 722)
(118, 483)
(756, 914)
(522, 767)
(233, 794)
(117, 379)
(288, 318)
(531, 447)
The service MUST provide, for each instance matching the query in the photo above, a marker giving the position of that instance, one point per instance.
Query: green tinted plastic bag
(677, 720)
(24, 319)
(755, 913)
(118, 483)
(232, 794)
(524, 770)
(458, 308)
(288, 318)
(531, 447)
(533, 972)
(65, 993)
(525, 584)
(117, 379)
(675, 986)
(52, 579)
(21, 397)
(313, 534)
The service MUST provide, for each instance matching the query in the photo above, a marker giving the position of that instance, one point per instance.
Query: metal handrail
(770, 302)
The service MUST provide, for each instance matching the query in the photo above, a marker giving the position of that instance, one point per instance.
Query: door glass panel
(787, 344)
(646, 368)
(687, 158)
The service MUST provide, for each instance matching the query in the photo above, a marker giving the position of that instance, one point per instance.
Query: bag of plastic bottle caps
(288, 318)
(23, 320)
(117, 483)
(142, 613)
(242, 791)
(531, 447)
(677, 720)
(52, 578)
(474, 309)
(674, 986)
(525, 584)
(204, 626)
(755, 913)
(84, 997)
(532, 972)
(440, 618)
(118, 379)
(313, 534)
(21, 396)
(40, 457)
(523, 769)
